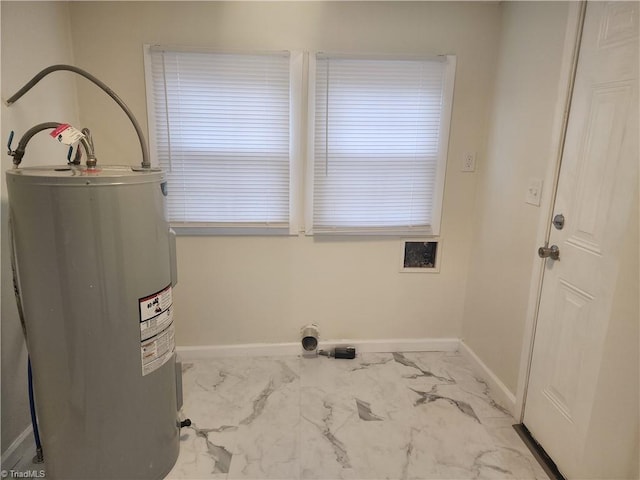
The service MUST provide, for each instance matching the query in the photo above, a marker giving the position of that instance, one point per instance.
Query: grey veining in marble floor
(380, 416)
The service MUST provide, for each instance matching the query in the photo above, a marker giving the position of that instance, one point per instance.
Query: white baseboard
(23, 446)
(498, 390)
(279, 349)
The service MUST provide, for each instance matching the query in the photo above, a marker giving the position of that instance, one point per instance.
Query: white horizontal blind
(377, 144)
(222, 135)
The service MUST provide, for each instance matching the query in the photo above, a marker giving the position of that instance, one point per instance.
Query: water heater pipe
(19, 152)
(146, 163)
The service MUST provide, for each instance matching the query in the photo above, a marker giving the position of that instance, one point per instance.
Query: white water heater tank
(96, 268)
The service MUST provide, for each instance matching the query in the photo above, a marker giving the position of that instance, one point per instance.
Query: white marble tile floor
(379, 416)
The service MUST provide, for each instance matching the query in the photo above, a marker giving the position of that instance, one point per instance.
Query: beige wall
(34, 35)
(257, 289)
(520, 146)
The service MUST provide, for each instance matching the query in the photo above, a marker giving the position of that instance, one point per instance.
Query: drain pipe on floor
(310, 335)
(348, 353)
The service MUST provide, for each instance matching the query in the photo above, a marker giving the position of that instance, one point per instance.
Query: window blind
(221, 129)
(379, 145)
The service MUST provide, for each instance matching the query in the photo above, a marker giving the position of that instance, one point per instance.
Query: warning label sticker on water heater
(157, 334)
(67, 134)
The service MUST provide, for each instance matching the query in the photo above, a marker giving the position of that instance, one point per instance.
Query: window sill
(230, 230)
(373, 231)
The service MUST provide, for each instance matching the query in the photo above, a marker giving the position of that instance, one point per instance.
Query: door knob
(552, 252)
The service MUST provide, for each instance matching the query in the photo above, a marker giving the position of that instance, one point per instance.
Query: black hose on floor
(34, 420)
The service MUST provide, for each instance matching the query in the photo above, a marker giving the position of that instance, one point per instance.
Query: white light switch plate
(534, 192)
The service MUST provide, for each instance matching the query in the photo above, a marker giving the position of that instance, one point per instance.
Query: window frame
(432, 230)
(296, 62)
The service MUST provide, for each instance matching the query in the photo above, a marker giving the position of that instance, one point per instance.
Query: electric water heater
(95, 265)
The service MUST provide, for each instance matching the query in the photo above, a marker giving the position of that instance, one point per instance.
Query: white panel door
(596, 188)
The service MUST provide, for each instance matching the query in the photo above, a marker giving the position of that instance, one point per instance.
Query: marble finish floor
(380, 416)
